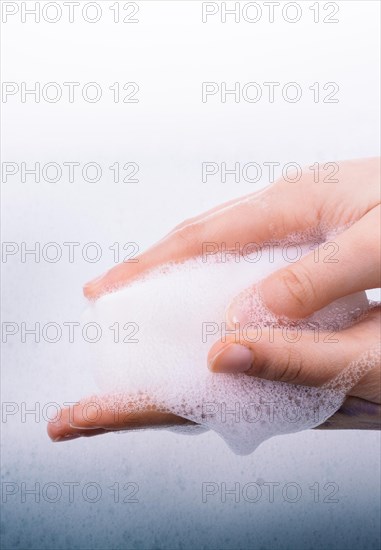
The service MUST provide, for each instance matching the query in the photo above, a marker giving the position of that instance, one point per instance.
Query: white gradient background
(169, 133)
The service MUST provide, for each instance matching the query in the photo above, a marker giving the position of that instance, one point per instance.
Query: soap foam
(169, 311)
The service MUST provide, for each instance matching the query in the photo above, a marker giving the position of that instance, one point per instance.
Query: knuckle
(284, 364)
(183, 224)
(189, 235)
(299, 286)
(292, 366)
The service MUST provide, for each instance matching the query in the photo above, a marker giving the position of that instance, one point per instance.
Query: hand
(274, 214)
(84, 420)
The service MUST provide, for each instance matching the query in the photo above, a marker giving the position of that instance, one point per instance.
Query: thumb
(294, 355)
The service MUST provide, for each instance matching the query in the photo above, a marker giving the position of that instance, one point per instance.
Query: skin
(294, 292)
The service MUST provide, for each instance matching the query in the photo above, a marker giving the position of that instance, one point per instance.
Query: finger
(344, 266)
(270, 214)
(95, 416)
(303, 357)
(60, 429)
(253, 219)
(129, 270)
(354, 414)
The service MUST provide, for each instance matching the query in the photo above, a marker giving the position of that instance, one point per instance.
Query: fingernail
(93, 283)
(93, 288)
(233, 358)
(90, 427)
(240, 310)
(67, 437)
(247, 309)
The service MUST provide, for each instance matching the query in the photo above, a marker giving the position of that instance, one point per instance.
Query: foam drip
(176, 308)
